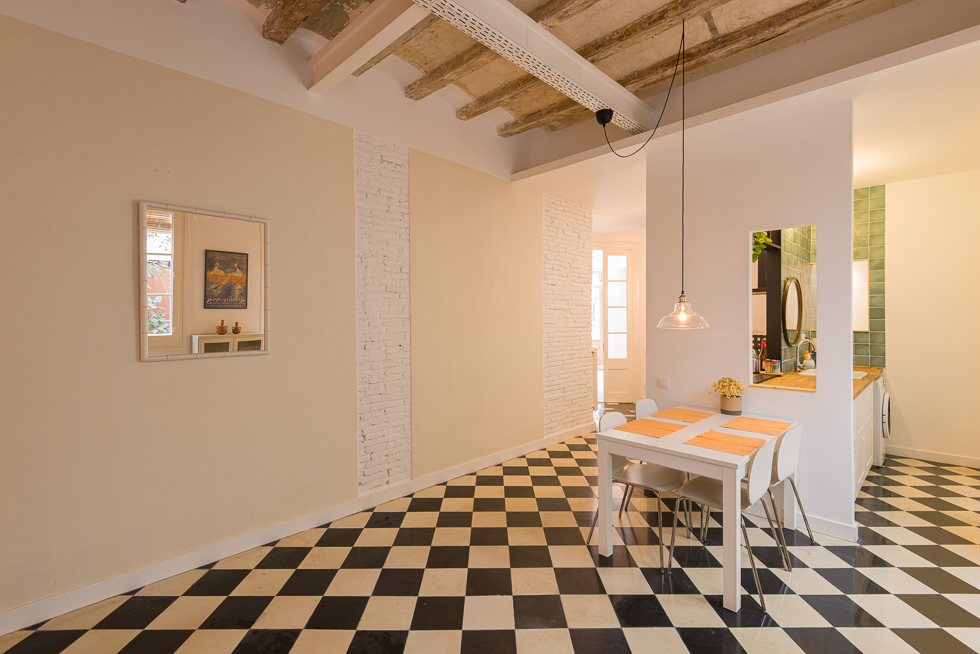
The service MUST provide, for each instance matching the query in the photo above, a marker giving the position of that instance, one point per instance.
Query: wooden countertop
(794, 381)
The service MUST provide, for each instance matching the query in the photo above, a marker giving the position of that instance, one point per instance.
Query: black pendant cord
(662, 110)
(683, 146)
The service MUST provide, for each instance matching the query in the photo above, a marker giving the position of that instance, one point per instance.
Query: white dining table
(673, 452)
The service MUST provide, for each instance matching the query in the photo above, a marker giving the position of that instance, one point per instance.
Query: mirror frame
(799, 307)
(143, 304)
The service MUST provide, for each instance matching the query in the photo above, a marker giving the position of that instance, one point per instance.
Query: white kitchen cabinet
(864, 435)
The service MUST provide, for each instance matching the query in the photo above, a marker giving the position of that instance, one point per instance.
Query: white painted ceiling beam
(367, 35)
(512, 34)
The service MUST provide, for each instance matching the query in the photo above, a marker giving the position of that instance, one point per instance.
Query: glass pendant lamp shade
(682, 317)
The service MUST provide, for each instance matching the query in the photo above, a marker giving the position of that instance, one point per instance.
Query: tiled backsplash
(798, 259)
(869, 243)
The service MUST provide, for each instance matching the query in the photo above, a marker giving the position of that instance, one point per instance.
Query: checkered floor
(496, 563)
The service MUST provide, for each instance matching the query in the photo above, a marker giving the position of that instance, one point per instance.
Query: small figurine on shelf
(221, 328)
(236, 329)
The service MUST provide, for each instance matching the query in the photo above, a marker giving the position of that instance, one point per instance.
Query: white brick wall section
(567, 279)
(384, 373)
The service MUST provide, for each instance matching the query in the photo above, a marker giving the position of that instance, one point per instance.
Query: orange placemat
(731, 443)
(684, 415)
(653, 428)
(770, 427)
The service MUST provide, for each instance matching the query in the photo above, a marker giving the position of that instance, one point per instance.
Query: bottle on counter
(763, 361)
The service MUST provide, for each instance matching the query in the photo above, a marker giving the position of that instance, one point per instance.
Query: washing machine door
(886, 415)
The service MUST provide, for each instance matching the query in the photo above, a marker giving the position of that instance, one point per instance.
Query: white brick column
(384, 375)
(567, 251)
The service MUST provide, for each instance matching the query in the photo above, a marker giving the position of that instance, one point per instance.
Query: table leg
(732, 559)
(605, 501)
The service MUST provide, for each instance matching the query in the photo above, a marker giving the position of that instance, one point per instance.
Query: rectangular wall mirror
(204, 283)
(784, 308)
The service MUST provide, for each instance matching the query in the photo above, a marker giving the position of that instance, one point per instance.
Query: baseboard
(41, 610)
(938, 457)
(848, 532)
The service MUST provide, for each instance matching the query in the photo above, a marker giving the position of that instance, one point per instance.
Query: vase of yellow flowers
(731, 391)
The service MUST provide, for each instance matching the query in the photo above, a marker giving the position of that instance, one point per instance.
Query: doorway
(615, 322)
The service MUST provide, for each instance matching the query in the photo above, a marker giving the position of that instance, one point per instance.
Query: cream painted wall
(742, 173)
(108, 464)
(931, 235)
(477, 375)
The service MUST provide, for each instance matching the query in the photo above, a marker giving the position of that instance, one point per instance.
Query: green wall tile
(862, 229)
(877, 362)
(860, 254)
(875, 277)
(861, 217)
(877, 325)
(877, 191)
(862, 360)
(878, 350)
(876, 289)
(878, 313)
(862, 349)
(877, 265)
(861, 241)
(861, 193)
(861, 205)
(878, 216)
(877, 203)
(878, 337)
(862, 337)
(877, 252)
(876, 239)
(877, 300)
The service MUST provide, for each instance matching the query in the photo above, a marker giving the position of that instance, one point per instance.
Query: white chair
(650, 476)
(785, 463)
(645, 407)
(709, 492)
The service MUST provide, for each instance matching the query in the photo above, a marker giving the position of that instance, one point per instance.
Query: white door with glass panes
(618, 306)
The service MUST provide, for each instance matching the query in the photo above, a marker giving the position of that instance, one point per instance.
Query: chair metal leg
(673, 535)
(783, 553)
(660, 528)
(595, 521)
(627, 494)
(755, 573)
(704, 521)
(690, 534)
(802, 510)
(781, 540)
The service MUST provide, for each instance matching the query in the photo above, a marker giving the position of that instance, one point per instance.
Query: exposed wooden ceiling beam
(420, 27)
(371, 32)
(656, 22)
(286, 18)
(548, 15)
(699, 56)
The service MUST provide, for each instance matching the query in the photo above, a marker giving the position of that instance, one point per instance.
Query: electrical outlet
(663, 382)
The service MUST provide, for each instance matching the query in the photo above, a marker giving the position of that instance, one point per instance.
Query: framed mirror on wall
(204, 283)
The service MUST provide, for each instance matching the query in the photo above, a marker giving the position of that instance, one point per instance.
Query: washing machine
(882, 420)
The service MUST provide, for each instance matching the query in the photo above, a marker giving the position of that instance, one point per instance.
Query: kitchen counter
(794, 381)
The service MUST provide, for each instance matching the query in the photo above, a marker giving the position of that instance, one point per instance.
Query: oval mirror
(792, 311)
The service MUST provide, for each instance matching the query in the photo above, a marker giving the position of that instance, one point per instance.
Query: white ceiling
(918, 119)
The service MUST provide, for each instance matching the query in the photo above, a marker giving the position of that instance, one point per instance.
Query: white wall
(743, 173)
(931, 279)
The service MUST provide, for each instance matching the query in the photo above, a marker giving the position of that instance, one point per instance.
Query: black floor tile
(339, 538)
(564, 536)
(939, 519)
(530, 556)
(483, 504)
(136, 613)
(237, 613)
(455, 519)
(639, 611)
(414, 536)
(675, 583)
(875, 504)
(488, 581)
(488, 536)
(771, 584)
(378, 642)
(592, 641)
(539, 612)
(869, 519)
(523, 519)
(438, 613)
(870, 537)
(156, 641)
(519, 491)
(385, 520)
(751, 614)
(943, 611)
(217, 582)
(502, 641)
(401, 582)
(859, 557)
(308, 582)
(841, 611)
(46, 642)
(448, 557)
(460, 492)
(822, 641)
(850, 581)
(579, 581)
(928, 641)
(939, 536)
(621, 557)
(428, 504)
(366, 557)
(267, 641)
(941, 581)
(695, 557)
(941, 556)
(337, 613)
(287, 558)
(710, 641)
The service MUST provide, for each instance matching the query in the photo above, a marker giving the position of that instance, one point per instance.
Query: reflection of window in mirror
(164, 287)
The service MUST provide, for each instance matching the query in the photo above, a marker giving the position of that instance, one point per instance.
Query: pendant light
(683, 316)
